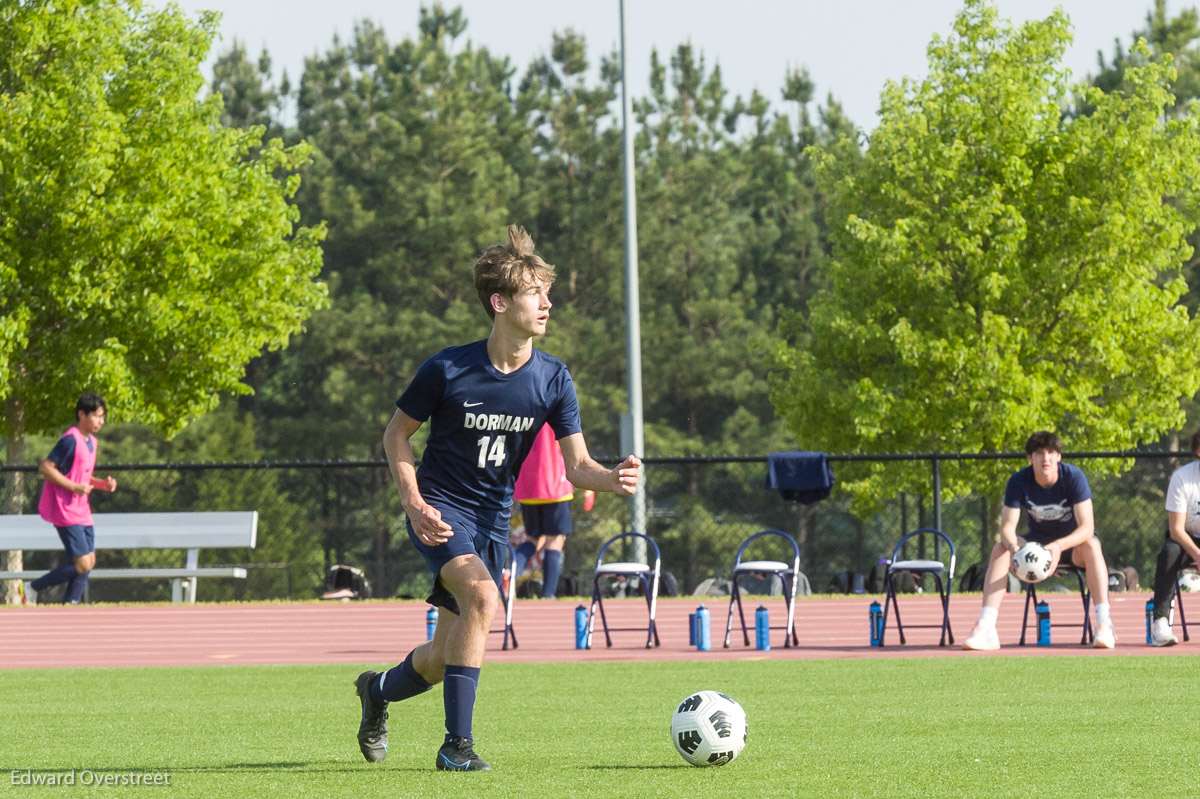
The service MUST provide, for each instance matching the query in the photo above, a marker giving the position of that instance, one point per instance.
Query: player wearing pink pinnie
(545, 495)
(68, 472)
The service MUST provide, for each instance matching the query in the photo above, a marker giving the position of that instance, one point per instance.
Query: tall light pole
(632, 439)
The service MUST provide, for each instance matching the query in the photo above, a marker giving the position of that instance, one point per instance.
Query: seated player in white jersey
(1181, 547)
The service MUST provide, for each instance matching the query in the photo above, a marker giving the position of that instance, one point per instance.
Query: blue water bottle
(762, 628)
(1149, 620)
(875, 617)
(1043, 622)
(691, 629)
(430, 622)
(703, 638)
(581, 627)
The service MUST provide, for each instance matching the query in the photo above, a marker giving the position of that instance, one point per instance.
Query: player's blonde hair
(508, 268)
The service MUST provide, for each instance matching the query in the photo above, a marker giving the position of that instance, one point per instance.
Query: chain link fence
(315, 515)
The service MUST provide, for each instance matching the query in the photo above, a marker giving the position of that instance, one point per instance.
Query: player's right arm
(397, 443)
(1175, 525)
(1009, 517)
(49, 471)
(1177, 506)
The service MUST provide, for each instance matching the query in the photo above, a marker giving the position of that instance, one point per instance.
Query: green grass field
(962, 727)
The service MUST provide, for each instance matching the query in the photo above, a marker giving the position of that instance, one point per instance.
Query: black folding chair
(647, 576)
(1178, 605)
(1063, 570)
(898, 565)
(788, 574)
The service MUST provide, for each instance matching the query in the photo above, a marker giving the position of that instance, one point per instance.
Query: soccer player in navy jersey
(485, 402)
(1057, 501)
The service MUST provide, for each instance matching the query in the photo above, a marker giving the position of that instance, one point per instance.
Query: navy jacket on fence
(800, 476)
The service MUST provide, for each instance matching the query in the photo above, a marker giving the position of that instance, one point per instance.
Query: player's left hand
(627, 475)
(110, 484)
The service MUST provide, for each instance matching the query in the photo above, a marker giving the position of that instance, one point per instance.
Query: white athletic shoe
(1105, 637)
(982, 639)
(1161, 635)
(28, 593)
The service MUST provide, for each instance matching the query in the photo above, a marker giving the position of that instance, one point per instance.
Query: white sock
(1102, 612)
(988, 616)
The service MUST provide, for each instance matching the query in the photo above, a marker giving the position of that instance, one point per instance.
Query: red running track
(382, 632)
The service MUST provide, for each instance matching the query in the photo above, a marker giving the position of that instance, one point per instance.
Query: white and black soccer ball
(1189, 582)
(1031, 563)
(708, 729)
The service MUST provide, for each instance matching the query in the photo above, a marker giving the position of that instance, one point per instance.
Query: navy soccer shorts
(550, 518)
(77, 539)
(467, 540)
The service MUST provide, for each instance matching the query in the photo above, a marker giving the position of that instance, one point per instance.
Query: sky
(850, 48)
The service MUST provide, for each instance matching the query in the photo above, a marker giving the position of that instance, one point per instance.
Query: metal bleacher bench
(192, 531)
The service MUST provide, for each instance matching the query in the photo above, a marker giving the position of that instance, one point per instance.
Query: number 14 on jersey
(491, 448)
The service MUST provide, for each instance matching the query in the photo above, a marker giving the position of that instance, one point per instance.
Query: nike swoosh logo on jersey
(471, 404)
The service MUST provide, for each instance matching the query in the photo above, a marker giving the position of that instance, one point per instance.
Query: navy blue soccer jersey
(1050, 510)
(482, 425)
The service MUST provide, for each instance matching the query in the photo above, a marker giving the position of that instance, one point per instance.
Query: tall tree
(412, 176)
(576, 178)
(1178, 39)
(1165, 36)
(781, 246)
(145, 255)
(704, 333)
(249, 97)
(1000, 267)
(413, 173)
(699, 322)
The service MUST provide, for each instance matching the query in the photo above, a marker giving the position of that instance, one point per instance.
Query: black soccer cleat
(457, 755)
(372, 730)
